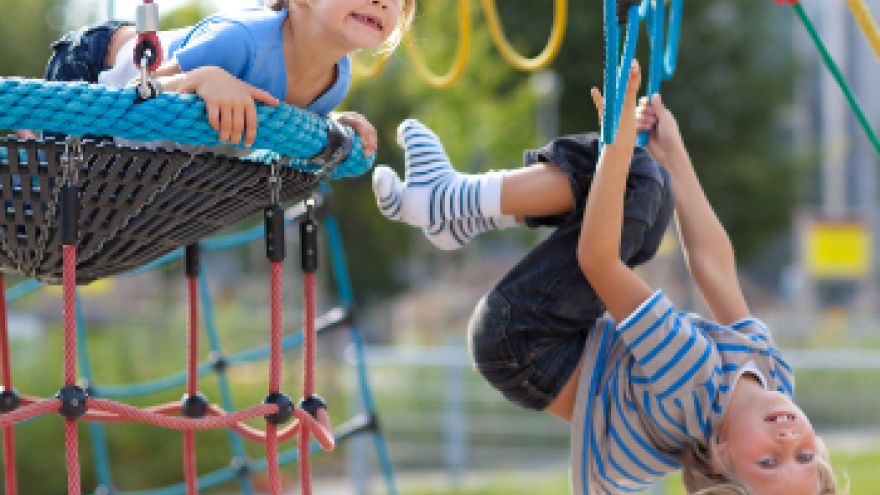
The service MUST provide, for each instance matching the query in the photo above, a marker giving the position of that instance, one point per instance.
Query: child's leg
(528, 334)
(451, 207)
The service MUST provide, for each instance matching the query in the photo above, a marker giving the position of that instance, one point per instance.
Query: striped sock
(388, 190)
(454, 234)
(434, 192)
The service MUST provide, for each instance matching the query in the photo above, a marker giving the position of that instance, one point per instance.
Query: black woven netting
(136, 204)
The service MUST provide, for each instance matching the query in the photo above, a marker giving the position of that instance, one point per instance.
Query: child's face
(771, 447)
(361, 23)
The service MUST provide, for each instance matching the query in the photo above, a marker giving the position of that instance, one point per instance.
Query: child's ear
(717, 453)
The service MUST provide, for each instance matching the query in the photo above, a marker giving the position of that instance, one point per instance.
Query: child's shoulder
(250, 17)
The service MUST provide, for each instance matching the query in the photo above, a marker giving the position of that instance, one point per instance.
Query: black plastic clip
(9, 401)
(274, 221)
(285, 408)
(191, 260)
(194, 406)
(312, 404)
(218, 361)
(73, 402)
(308, 239)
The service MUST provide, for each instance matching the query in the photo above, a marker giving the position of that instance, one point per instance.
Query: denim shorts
(79, 55)
(527, 334)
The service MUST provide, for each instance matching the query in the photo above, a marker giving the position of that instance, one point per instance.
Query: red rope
(275, 356)
(5, 365)
(71, 442)
(192, 377)
(272, 464)
(189, 462)
(163, 415)
(305, 468)
(29, 411)
(69, 315)
(71, 439)
(275, 349)
(179, 423)
(9, 460)
(309, 337)
(6, 371)
(305, 472)
(193, 333)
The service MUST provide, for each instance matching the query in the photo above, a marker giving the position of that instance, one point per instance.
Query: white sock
(388, 190)
(434, 192)
(454, 234)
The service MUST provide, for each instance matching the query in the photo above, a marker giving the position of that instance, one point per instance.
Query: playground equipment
(83, 209)
(87, 208)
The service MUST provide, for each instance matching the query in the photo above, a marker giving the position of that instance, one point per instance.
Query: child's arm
(229, 101)
(707, 247)
(598, 251)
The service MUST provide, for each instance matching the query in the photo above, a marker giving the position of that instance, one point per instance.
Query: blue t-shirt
(249, 45)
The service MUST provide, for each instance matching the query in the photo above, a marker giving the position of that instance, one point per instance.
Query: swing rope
(862, 14)
(663, 54)
(836, 73)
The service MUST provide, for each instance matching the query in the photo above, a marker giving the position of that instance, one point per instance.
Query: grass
(856, 468)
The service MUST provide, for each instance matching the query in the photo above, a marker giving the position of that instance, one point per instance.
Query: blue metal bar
(612, 50)
(670, 60)
(22, 289)
(656, 35)
(346, 294)
(226, 400)
(96, 430)
(634, 20)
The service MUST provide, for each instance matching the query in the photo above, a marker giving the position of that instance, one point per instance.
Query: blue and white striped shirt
(654, 383)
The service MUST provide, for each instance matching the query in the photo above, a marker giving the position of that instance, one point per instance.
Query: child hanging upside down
(647, 388)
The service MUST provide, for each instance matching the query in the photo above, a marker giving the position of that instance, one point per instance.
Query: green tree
(27, 30)
(732, 82)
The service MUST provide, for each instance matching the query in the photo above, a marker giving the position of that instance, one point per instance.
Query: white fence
(438, 414)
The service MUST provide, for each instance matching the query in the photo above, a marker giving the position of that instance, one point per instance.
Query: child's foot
(434, 192)
(454, 234)
(388, 190)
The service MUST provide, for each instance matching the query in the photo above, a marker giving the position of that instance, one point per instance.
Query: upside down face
(769, 446)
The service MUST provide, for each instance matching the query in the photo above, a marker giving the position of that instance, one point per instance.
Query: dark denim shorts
(79, 55)
(527, 334)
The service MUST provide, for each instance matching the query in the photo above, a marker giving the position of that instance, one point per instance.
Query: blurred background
(784, 161)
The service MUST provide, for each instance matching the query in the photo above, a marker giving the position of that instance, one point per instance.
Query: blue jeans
(79, 56)
(527, 334)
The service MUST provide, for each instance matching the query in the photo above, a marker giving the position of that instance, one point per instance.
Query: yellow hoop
(363, 71)
(509, 53)
(863, 16)
(461, 55)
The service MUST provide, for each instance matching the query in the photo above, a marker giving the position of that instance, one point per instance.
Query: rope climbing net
(85, 209)
(92, 403)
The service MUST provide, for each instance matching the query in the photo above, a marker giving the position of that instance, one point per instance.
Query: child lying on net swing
(296, 51)
(650, 389)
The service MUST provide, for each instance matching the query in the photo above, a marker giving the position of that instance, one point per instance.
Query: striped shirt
(654, 383)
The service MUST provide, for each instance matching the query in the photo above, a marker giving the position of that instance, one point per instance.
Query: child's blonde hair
(699, 477)
(407, 14)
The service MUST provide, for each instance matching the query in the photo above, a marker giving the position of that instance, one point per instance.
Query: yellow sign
(838, 250)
